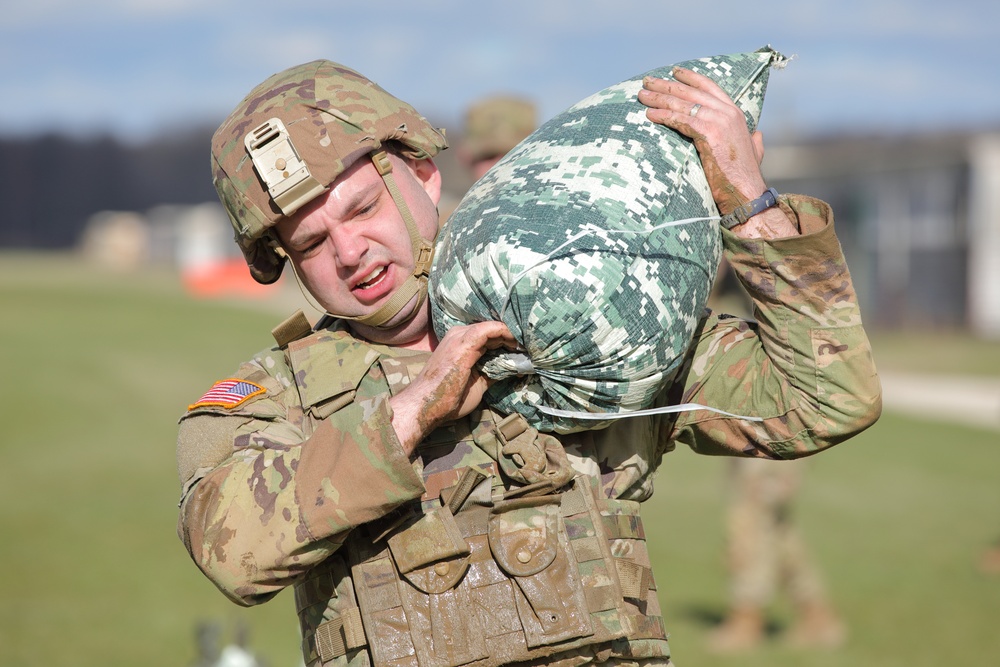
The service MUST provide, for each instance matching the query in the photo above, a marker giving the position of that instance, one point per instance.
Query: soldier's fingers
(701, 83)
(494, 334)
(657, 92)
(681, 121)
(469, 342)
(656, 84)
(669, 110)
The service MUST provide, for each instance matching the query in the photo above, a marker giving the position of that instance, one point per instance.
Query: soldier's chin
(409, 322)
(406, 314)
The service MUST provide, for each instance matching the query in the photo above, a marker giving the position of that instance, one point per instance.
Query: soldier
(355, 462)
(765, 552)
(493, 126)
(989, 561)
(765, 549)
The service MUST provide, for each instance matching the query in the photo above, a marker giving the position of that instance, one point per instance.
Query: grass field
(98, 367)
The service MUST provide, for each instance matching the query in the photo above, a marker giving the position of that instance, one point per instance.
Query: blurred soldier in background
(764, 552)
(989, 562)
(208, 635)
(492, 126)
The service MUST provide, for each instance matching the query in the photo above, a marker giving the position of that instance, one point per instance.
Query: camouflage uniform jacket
(273, 486)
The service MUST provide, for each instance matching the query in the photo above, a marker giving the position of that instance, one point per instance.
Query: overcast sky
(140, 67)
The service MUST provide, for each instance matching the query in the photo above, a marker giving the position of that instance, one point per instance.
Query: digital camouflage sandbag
(568, 241)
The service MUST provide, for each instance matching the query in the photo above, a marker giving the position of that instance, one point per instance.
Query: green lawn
(98, 367)
(937, 353)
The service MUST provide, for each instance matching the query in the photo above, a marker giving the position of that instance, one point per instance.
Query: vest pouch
(531, 546)
(415, 610)
(433, 537)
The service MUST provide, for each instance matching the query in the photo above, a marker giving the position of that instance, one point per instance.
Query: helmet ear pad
(265, 258)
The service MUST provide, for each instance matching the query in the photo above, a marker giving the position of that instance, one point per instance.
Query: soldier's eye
(312, 247)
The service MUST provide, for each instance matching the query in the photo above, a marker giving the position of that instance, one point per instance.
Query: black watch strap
(747, 211)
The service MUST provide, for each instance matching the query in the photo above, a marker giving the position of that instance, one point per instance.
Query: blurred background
(124, 296)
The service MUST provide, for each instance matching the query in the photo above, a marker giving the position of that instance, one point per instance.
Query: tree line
(51, 184)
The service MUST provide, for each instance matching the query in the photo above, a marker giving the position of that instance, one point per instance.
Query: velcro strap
(587, 549)
(469, 480)
(512, 426)
(573, 501)
(601, 598)
(624, 526)
(315, 590)
(336, 636)
(293, 328)
(634, 578)
(542, 488)
(436, 483)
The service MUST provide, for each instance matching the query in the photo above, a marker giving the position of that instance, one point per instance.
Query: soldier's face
(351, 247)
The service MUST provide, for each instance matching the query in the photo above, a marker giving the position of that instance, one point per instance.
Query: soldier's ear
(429, 176)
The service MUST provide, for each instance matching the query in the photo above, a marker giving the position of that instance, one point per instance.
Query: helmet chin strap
(423, 254)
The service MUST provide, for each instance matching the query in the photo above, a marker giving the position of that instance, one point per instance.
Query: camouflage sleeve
(264, 500)
(805, 366)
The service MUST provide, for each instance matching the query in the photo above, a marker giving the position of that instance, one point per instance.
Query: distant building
(118, 240)
(197, 240)
(918, 218)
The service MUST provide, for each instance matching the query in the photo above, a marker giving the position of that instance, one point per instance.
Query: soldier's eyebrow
(301, 235)
(359, 198)
(305, 239)
(341, 210)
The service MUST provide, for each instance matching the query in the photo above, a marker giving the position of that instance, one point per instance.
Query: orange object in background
(226, 277)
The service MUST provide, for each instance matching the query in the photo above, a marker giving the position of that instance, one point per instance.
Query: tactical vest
(508, 556)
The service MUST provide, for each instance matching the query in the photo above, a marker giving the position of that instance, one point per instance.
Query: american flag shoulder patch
(228, 394)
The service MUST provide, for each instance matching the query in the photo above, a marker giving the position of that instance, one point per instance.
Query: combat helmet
(496, 124)
(291, 137)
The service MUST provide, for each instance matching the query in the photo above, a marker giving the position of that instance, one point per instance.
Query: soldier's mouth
(372, 279)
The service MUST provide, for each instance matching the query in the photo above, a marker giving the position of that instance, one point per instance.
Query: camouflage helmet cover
(333, 115)
(495, 125)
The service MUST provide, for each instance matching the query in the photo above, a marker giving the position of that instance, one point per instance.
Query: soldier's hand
(449, 386)
(698, 108)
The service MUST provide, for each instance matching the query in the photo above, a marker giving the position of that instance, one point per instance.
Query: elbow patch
(203, 442)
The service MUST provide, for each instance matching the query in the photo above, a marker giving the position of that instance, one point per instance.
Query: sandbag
(596, 240)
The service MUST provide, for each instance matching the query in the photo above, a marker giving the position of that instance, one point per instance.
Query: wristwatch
(747, 211)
